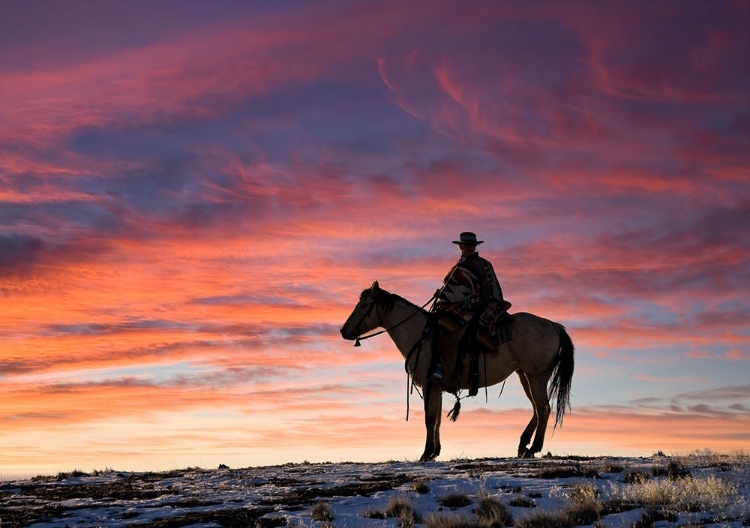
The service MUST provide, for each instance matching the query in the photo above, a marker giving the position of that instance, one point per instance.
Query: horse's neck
(406, 323)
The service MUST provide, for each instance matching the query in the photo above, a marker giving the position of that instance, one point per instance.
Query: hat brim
(469, 243)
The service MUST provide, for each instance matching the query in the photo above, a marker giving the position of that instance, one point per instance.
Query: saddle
(487, 340)
(477, 339)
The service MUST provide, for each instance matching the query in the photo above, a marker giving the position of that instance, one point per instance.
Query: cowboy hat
(468, 238)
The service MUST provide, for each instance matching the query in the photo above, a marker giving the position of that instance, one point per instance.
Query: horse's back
(525, 321)
(535, 342)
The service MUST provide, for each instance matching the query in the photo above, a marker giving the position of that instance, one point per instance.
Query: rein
(358, 339)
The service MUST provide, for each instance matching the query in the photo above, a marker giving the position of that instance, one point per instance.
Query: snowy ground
(358, 494)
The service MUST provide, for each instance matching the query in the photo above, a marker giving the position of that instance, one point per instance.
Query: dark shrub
(522, 502)
(321, 512)
(456, 500)
(635, 477)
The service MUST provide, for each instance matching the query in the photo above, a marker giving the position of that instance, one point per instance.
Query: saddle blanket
(501, 332)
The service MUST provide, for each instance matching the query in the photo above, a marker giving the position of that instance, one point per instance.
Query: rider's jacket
(470, 287)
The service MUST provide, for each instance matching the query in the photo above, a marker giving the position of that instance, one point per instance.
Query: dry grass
(373, 513)
(575, 514)
(399, 508)
(450, 521)
(489, 513)
(420, 486)
(577, 470)
(402, 509)
(583, 492)
(545, 520)
(686, 494)
(670, 491)
(664, 492)
(708, 458)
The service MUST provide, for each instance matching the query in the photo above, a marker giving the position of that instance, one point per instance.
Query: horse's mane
(388, 300)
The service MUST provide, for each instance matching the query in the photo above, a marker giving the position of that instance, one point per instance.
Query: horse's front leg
(433, 410)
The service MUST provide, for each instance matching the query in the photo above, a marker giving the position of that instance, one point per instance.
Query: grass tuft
(73, 474)
(402, 509)
(584, 509)
(420, 486)
(583, 513)
(492, 513)
(374, 514)
(583, 493)
(321, 512)
(450, 521)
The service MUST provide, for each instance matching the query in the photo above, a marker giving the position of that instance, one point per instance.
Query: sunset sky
(193, 195)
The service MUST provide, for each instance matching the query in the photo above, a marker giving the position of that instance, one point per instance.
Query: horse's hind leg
(433, 410)
(529, 431)
(538, 388)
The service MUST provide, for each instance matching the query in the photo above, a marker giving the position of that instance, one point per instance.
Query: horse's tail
(562, 375)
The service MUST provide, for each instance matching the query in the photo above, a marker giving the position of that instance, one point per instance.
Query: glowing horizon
(192, 200)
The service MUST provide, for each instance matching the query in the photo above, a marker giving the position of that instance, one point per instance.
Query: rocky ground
(703, 489)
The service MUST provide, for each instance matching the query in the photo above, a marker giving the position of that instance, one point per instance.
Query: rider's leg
(447, 347)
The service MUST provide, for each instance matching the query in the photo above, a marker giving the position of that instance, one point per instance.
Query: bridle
(369, 311)
(362, 320)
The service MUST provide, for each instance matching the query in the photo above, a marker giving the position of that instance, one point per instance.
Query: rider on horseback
(470, 289)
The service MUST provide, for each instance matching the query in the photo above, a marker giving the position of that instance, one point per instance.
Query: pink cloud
(738, 354)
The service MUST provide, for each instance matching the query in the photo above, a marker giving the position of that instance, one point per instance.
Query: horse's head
(365, 316)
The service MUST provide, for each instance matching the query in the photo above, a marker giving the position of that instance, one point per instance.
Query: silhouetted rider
(470, 295)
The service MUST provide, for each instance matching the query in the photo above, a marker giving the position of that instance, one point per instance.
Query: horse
(540, 352)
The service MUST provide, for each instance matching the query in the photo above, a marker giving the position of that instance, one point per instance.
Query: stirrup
(437, 376)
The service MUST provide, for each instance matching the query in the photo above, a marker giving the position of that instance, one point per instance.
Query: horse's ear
(375, 286)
